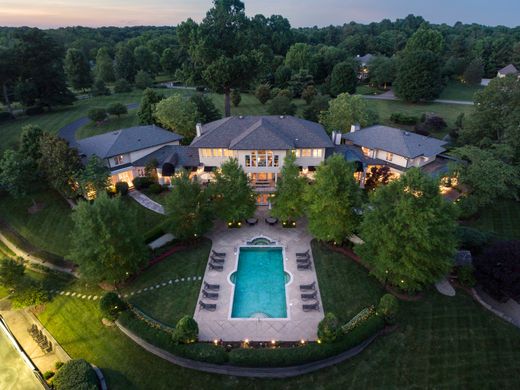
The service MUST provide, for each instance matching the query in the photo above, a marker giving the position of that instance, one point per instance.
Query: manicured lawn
(113, 123)
(365, 89)
(458, 91)
(168, 304)
(502, 218)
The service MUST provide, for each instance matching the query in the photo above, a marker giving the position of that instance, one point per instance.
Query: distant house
(363, 62)
(507, 70)
(124, 151)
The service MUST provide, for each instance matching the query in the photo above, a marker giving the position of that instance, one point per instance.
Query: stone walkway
(445, 288)
(145, 201)
(509, 311)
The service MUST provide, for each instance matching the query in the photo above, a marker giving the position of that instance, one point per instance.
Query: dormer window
(119, 159)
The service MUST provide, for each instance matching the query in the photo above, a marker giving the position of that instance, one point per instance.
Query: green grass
(168, 304)
(502, 218)
(441, 342)
(113, 123)
(456, 90)
(365, 89)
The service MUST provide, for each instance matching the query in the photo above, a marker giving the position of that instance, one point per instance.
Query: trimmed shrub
(97, 114)
(48, 375)
(155, 188)
(30, 295)
(58, 365)
(236, 98)
(34, 110)
(142, 182)
(403, 119)
(122, 188)
(186, 330)
(358, 319)
(388, 307)
(111, 305)
(76, 374)
(466, 276)
(122, 85)
(328, 328)
(263, 93)
(117, 109)
(472, 239)
(434, 123)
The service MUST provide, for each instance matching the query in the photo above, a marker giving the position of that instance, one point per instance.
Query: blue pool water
(259, 284)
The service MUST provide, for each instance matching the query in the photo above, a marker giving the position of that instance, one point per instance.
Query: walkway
(389, 95)
(509, 311)
(68, 132)
(145, 201)
(33, 259)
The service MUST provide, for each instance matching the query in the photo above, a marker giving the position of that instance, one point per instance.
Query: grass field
(441, 342)
(113, 123)
(458, 91)
(502, 218)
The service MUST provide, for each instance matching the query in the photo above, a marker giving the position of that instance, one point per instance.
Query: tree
(288, 200)
(328, 328)
(8, 73)
(58, 164)
(206, 110)
(497, 270)
(11, 273)
(143, 80)
(177, 114)
(170, 61)
(220, 46)
(299, 81)
(426, 38)
(117, 109)
(106, 242)
(99, 88)
(378, 175)
(388, 308)
(418, 76)
(94, 178)
(111, 305)
(236, 98)
(308, 93)
(97, 115)
(234, 198)
(382, 71)
(474, 72)
(147, 107)
(39, 62)
(144, 60)
(18, 175)
(186, 330)
(281, 105)
(263, 93)
(409, 232)
(75, 374)
(319, 104)
(331, 200)
(124, 64)
(104, 69)
(300, 56)
(30, 142)
(343, 79)
(282, 76)
(77, 69)
(486, 174)
(188, 208)
(345, 111)
(121, 86)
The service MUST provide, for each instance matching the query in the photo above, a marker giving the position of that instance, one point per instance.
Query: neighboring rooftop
(262, 132)
(365, 60)
(400, 142)
(125, 141)
(176, 155)
(509, 69)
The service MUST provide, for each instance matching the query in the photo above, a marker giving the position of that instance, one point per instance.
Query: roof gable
(509, 69)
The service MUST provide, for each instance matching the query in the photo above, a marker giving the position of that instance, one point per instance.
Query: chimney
(198, 128)
(355, 127)
(336, 137)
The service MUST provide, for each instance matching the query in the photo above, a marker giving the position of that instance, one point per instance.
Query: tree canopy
(177, 114)
(345, 111)
(288, 200)
(77, 69)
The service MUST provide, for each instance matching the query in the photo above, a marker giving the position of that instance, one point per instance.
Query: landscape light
(273, 342)
(302, 341)
(246, 341)
(215, 342)
(318, 341)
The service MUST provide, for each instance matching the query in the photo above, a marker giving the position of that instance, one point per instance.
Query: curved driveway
(68, 132)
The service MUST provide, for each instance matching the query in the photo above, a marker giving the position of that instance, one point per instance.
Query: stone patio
(299, 324)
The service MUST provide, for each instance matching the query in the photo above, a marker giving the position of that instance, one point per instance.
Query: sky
(95, 13)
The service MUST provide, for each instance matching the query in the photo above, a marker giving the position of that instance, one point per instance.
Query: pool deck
(299, 325)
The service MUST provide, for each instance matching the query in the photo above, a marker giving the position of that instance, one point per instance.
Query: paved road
(68, 133)
(390, 96)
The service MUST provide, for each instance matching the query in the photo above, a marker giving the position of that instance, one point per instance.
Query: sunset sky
(56, 13)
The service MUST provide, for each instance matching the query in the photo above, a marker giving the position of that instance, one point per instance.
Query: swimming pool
(259, 284)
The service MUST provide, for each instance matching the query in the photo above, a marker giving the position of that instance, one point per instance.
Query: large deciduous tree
(104, 68)
(106, 242)
(343, 78)
(8, 73)
(345, 111)
(332, 199)
(178, 114)
(234, 198)
(124, 63)
(188, 207)
(77, 69)
(382, 71)
(288, 200)
(147, 107)
(409, 232)
(474, 72)
(17, 173)
(94, 178)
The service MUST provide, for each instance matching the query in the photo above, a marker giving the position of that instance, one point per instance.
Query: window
(119, 159)
(228, 153)
(141, 172)
(389, 156)
(217, 152)
(366, 151)
(206, 152)
(248, 160)
(296, 153)
(262, 158)
(306, 152)
(316, 152)
(276, 162)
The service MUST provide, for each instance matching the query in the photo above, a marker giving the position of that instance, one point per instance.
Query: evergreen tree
(236, 98)
(474, 72)
(147, 107)
(77, 70)
(206, 109)
(331, 200)
(409, 232)
(263, 93)
(343, 79)
(288, 200)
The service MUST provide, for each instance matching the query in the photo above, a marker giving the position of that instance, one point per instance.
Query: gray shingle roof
(177, 155)
(262, 132)
(126, 140)
(396, 141)
(509, 69)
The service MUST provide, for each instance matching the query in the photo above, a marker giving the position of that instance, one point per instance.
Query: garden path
(145, 201)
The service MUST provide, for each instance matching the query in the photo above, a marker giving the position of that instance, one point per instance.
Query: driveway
(389, 95)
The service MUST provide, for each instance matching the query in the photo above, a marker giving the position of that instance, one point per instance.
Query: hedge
(155, 232)
(276, 357)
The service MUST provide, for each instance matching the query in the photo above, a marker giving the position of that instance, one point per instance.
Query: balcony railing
(263, 184)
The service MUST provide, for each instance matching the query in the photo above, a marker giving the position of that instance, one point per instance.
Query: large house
(508, 70)
(364, 62)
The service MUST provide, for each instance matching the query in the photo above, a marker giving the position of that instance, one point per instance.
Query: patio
(299, 325)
